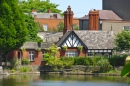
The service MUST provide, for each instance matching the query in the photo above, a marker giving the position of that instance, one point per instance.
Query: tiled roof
(46, 15)
(96, 39)
(108, 15)
(63, 38)
(34, 45)
(50, 37)
(105, 15)
(93, 39)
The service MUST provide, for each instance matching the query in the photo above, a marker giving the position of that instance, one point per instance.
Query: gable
(72, 40)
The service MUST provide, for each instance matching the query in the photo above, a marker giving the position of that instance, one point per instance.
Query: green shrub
(92, 61)
(23, 49)
(25, 69)
(38, 49)
(79, 61)
(14, 63)
(67, 62)
(80, 48)
(87, 63)
(104, 65)
(25, 61)
(64, 48)
(12, 70)
(54, 62)
(118, 60)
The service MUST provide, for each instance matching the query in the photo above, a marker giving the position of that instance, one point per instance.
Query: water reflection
(62, 80)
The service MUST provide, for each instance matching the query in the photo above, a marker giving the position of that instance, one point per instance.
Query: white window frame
(31, 55)
(126, 27)
(45, 27)
(71, 53)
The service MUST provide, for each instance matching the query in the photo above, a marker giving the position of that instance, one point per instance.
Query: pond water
(62, 80)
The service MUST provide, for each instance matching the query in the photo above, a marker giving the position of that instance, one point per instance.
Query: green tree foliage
(33, 28)
(76, 27)
(39, 5)
(122, 40)
(51, 52)
(126, 70)
(51, 59)
(60, 26)
(12, 26)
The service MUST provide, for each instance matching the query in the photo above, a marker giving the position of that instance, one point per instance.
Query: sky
(79, 7)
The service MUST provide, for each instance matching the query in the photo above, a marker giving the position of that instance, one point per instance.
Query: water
(62, 80)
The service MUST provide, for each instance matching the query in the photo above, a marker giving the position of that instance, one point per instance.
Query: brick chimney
(94, 20)
(68, 20)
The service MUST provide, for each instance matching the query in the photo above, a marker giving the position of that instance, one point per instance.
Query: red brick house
(105, 20)
(49, 21)
(93, 42)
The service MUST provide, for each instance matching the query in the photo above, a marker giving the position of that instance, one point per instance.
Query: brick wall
(52, 23)
(38, 55)
(80, 53)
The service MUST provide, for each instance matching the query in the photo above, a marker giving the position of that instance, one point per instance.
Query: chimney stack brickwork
(68, 20)
(94, 20)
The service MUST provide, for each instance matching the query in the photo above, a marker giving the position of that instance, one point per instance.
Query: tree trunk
(6, 60)
(0, 57)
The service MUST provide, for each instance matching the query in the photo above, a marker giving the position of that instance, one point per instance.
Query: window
(90, 54)
(43, 54)
(55, 15)
(31, 56)
(126, 28)
(71, 53)
(45, 27)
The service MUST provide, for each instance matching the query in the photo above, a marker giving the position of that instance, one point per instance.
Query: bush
(118, 60)
(55, 62)
(64, 48)
(25, 61)
(80, 48)
(25, 69)
(104, 65)
(12, 70)
(14, 63)
(93, 60)
(67, 62)
(79, 61)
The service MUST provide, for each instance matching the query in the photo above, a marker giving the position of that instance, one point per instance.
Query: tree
(39, 5)
(122, 40)
(33, 28)
(60, 26)
(76, 27)
(126, 70)
(51, 58)
(12, 26)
